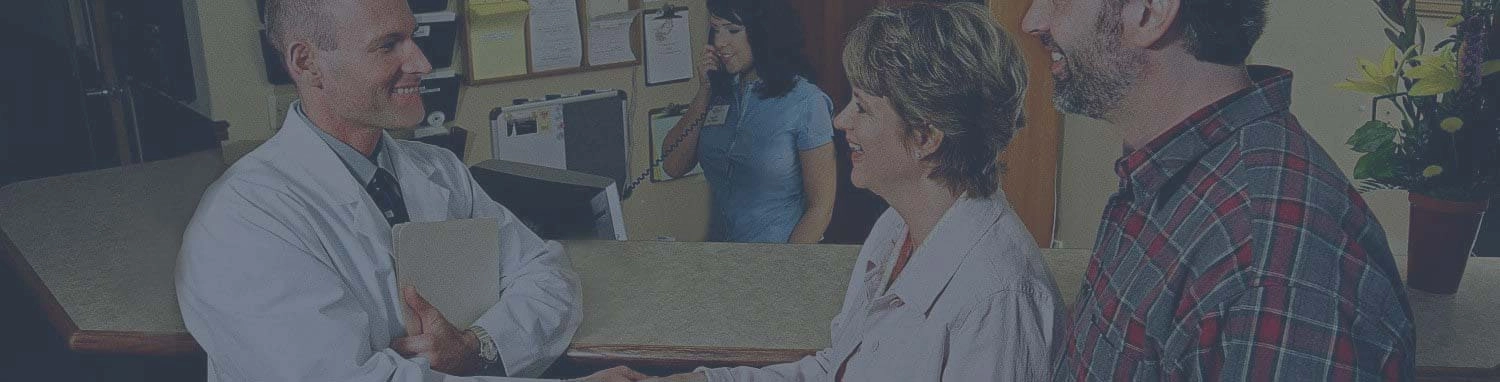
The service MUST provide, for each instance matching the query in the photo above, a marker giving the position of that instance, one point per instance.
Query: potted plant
(1444, 145)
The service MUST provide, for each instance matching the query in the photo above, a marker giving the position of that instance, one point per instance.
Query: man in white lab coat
(285, 272)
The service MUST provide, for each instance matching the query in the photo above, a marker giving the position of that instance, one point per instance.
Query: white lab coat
(285, 271)
(975, 303)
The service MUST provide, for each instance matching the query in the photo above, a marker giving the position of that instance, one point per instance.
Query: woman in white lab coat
(949, 286)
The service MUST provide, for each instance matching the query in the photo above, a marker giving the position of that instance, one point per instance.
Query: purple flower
(1473, 33)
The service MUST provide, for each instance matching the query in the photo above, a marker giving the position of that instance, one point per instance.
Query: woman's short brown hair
(951, 67)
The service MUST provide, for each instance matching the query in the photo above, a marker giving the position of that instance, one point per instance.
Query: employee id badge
(717, 115)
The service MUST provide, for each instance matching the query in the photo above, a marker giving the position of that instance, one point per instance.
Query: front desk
(98, 251)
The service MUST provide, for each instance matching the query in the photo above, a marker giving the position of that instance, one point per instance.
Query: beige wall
(239, 93)
(1318, 41)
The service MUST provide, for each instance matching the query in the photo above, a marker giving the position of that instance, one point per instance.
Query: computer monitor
(556, 204)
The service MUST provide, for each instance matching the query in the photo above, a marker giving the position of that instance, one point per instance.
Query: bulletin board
(467, 38)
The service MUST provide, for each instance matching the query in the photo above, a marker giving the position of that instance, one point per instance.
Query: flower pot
(1442, 237)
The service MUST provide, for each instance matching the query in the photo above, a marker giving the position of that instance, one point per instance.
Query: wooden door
(826, 23)
(1033, 156)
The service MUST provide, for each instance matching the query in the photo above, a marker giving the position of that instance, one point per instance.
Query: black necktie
(387, 195)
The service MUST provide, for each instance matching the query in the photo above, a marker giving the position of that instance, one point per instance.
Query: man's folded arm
(541, 302)
(265, 308)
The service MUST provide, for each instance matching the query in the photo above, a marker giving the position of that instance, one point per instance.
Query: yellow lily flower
(1431, 171)
(1451, 124)
(1436, 74)
(1379, 78)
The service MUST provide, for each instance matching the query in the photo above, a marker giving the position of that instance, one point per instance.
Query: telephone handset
(718, 80)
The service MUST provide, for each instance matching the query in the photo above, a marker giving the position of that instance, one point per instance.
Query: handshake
(625, 374)
(433, 337)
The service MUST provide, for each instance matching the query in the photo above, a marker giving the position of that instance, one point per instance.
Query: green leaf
(1372, 136)
(1391, 35)
(1453, 22)
(1375, 165)
(1490, 67)
(1409, 23)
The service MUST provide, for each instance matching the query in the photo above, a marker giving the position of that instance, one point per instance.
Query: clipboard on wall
(661, 121)
(666, 37)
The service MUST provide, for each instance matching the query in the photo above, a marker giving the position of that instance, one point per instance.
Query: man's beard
(1098, 76)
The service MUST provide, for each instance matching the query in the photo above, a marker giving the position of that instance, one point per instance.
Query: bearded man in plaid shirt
(1234, 248)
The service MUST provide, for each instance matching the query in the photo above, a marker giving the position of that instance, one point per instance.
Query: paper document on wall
(455, 265)
(556, 40)
(534, 136)
(604, 7)
(661, 124)
(497, 38)
(669, 51)
(609, 38)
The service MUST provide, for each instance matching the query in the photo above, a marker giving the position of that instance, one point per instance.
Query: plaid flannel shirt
(1235, 249)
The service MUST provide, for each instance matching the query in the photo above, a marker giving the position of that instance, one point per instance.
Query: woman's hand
(707, 62)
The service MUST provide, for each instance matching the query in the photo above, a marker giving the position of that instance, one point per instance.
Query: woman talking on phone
(759, 127)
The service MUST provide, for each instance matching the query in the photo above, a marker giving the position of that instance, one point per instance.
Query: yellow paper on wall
(497, 37)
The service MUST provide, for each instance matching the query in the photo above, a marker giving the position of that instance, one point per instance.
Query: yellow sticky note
(497, 37)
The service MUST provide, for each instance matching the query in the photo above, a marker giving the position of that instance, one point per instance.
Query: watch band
(487, 351)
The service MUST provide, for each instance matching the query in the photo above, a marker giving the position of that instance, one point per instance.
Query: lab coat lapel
(421, 183)
(302, 148)
(298, 147)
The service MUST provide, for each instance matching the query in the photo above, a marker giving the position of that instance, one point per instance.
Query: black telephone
(718, 80)
(719, 88)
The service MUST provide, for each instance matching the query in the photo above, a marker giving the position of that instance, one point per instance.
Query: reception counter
(98, 251)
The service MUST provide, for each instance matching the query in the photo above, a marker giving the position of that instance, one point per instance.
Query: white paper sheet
(556, 39)
(605, 7)
(669, 51)
(609, 38)
(534, 136)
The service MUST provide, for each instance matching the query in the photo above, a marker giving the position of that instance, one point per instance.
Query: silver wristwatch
(487, 351)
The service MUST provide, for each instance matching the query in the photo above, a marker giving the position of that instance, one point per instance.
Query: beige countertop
(99, 250)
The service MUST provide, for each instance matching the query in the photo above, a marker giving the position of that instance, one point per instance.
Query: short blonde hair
(288, 21)
(949, 66)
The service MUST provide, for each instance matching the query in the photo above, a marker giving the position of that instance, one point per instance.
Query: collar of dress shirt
(1145, 171)
(937, 258)
(360, 166)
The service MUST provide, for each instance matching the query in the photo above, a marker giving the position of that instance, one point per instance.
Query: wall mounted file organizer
(440, 95)
(436, 35)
